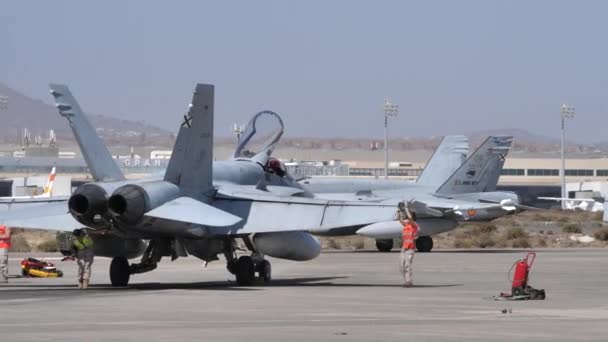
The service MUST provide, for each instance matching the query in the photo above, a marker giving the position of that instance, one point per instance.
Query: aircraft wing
(463, 210)
(18, 202)
(51, 216)
(558, 199)
(237, 210)
(264, 212)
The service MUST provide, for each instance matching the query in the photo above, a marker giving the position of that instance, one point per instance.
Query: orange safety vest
(5, 237)
(408, 235)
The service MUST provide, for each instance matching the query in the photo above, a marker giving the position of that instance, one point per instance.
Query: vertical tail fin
(96, 154)
(48, 188)
(480, 172)
(191, 163)
(447, 158)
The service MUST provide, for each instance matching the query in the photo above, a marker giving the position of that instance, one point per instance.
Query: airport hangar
(530, 175)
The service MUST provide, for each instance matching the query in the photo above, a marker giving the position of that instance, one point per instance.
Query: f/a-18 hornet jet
(200, 207)
(441, 196)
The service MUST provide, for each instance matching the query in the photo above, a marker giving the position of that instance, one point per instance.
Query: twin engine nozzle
(128, 203)
(89, 203)
(131, 202)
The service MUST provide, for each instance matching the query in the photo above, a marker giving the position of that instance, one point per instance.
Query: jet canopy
(262, 134)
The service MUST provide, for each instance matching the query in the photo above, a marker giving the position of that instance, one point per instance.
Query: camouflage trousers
(405, 265)
(84, 268)
(3, 265)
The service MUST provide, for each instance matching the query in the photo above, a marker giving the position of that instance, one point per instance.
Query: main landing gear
(245, 267)
(120, 270)
(424, 244)
(384, 245)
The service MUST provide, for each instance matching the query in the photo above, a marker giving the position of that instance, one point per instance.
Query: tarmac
(340, 296)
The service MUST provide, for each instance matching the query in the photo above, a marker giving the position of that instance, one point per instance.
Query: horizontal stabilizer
(186, 209)
(421, 208)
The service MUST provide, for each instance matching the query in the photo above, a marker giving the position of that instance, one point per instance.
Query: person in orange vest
(5, 244)
(407, 218)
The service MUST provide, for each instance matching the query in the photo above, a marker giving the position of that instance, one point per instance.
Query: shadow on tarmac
(39, 290)
(443, 251)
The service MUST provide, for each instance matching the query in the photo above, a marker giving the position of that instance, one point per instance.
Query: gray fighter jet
(471, 183)
(201, 207)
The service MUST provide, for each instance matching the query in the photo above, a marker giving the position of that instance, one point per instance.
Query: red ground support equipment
(31, 267)
(520, 290)
(522, 270)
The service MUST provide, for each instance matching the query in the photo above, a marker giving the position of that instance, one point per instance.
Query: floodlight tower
(390, 109)
(566, 112)
(238, 130)
(3, 102)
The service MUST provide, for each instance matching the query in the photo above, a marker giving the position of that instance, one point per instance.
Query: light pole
(238, 130)
(390, 109)
(3, 102)
(566, 112)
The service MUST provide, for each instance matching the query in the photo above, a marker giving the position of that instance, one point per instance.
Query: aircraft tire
(244, 271)
(265, 271)
(424, 244)
(384, 245)
(119, 271)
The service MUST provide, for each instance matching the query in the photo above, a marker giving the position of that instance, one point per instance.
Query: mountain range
(39, 117)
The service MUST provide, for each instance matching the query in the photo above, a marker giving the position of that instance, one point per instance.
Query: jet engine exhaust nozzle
(88, 202)
(128, 203)
(131, 202)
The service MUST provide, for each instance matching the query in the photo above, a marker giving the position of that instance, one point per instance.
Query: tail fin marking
(48, 188)
(191, 163)
(480, 172)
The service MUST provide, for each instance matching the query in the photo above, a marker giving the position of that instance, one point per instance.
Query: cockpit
(259, 139)
(275, 166)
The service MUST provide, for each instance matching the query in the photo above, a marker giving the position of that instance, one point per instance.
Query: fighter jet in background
(446, 159)
(6, 203)
(440, 201)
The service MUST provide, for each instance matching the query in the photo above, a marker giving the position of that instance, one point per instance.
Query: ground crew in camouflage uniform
(82, 248)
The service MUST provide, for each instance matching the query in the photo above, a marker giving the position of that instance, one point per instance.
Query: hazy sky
(324, 66)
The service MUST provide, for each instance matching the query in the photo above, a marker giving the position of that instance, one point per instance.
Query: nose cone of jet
(381, 230)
